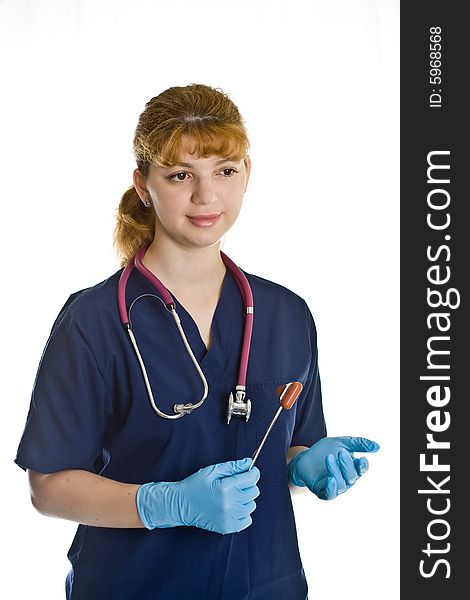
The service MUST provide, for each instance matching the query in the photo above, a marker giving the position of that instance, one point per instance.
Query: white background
(317, 83)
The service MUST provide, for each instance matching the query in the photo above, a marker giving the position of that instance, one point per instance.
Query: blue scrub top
(90, 410)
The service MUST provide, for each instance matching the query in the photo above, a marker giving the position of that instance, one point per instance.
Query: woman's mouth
(204, 220)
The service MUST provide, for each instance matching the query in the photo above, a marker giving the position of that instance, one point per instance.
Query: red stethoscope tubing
(240, 279)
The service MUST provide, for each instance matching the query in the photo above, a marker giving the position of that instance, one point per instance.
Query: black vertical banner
(435, 254)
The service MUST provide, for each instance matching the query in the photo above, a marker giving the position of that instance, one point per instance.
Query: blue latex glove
(218, 498)
(328, 468)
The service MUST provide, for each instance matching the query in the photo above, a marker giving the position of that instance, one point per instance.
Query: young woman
(157, 385)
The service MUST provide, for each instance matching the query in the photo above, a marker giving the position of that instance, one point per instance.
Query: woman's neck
(185, 268)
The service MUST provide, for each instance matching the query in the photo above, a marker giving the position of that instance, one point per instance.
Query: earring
(146, 203)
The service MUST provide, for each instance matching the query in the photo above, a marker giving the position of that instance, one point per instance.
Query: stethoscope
(237, 404)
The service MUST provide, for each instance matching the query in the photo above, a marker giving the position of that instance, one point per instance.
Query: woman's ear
(247, 162)
(140, 186)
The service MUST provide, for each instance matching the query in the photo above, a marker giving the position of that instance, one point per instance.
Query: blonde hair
(204, 114)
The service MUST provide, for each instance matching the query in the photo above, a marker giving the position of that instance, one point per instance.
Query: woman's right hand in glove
(218, 498)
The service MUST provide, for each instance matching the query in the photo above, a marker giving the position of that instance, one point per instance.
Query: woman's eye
(228, 172)
(178, 176)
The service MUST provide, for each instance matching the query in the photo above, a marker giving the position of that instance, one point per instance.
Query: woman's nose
(204, 192)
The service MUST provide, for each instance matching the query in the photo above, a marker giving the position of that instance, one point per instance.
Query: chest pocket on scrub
(265, 403)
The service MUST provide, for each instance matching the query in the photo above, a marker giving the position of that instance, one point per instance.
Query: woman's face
(197, 200)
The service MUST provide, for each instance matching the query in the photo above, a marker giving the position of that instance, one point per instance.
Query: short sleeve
(310, 422)
(66, 422)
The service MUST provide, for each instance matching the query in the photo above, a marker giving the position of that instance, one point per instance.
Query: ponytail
(135, 226)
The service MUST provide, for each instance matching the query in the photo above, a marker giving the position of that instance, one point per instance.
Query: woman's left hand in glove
(329, 468)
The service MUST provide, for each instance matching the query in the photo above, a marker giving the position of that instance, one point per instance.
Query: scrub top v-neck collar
(228, 307)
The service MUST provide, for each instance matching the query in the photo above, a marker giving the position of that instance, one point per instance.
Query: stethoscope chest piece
(238, 406)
